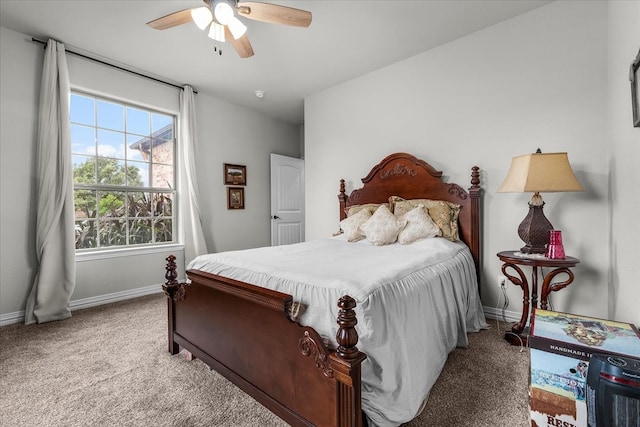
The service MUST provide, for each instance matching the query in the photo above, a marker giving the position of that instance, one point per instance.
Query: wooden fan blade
(274, 14)
(171, 20)
(241, 45)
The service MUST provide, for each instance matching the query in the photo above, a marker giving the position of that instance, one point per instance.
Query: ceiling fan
(220, 17)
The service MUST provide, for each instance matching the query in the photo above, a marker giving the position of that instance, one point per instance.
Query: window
(123, 174)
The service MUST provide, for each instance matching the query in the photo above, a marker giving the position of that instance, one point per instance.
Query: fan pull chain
(215, 49)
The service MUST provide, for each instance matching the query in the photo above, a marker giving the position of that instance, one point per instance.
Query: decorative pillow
(444, 214)
(419, 226)
(383, 227)
(371, 207)
(351, 225)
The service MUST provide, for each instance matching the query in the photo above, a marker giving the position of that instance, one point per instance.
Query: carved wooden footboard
(244, 333)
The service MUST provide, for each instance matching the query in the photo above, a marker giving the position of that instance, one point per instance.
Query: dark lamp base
(534, 231)
(533, 250)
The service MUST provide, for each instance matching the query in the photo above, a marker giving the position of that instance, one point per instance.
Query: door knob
(275, 217)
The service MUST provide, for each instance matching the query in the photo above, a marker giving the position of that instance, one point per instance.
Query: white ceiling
(347, 38)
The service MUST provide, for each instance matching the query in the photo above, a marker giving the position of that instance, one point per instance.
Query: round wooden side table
(515, 260)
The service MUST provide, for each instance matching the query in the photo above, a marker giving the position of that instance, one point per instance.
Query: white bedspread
(415, 304)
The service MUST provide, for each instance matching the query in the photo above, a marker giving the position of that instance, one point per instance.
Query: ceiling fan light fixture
(202, 17)
(223, 12)
(237, 28)
(216, 32)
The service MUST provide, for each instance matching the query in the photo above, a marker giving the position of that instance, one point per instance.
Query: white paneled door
(287, 200)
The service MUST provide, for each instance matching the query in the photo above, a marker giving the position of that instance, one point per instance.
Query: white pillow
(383, 227)
(351, 225)
(419, 226)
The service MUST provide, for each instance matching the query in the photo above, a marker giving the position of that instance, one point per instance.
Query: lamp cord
(504, 316)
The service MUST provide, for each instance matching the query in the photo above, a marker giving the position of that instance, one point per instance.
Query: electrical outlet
(502, 280)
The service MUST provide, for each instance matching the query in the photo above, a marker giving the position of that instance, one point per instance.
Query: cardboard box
(580, 336)
(557, 391)
(561, 345)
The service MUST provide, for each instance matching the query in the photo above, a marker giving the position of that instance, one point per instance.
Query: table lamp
(536, 173)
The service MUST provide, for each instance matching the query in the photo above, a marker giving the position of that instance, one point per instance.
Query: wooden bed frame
(244, 331)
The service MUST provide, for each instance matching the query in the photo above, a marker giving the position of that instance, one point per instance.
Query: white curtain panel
(55, 239)
(188, 205)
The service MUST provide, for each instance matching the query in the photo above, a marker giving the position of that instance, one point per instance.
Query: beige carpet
(109, 366)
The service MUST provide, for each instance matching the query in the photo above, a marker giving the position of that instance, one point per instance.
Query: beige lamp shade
(540, 172)
(536, 173)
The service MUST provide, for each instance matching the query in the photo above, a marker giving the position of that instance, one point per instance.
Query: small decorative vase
(555, 250)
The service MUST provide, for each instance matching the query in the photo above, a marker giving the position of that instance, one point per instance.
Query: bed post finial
(347, 336)
(172, 288)
(475, 177)
(171, 275)
(342, 198)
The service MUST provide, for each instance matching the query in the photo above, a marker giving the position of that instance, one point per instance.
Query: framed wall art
(235, 198)
(634, 76)
(235, 174)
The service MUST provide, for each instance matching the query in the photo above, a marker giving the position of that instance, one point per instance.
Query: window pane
(162, 151)
(110, 144)
(84, 170)
(110, 116)
(83, 140)
(162, 229)
(137, 174)
(139, 205)
(85, 203)
(86, 234)
(162, 126)
(163, 204)
(140, 231)
(162, 176)
(138, 121)
(112, 232)
(82, 110)
(111, 204)
(138, 148)
(111, 171)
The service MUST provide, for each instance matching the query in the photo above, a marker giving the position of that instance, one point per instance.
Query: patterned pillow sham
(351, 225)
(371, 207)
(444, 214)
(419, 226)
(383, 227)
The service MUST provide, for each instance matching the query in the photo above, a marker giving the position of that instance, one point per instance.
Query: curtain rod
(33, 39)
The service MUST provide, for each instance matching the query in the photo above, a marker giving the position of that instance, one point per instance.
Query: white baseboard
(9, 318)
(114, 297)
(506, 315)
(18, 316)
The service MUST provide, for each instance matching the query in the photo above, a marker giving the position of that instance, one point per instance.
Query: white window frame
(128, 249)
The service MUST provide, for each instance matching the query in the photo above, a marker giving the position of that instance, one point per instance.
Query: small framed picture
(235, 198)
(634, 76)
(235, 174)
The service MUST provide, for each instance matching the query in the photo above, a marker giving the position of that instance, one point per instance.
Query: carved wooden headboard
(404, 175)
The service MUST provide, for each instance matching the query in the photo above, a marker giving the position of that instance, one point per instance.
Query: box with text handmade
(580, 336)
(561, 345)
